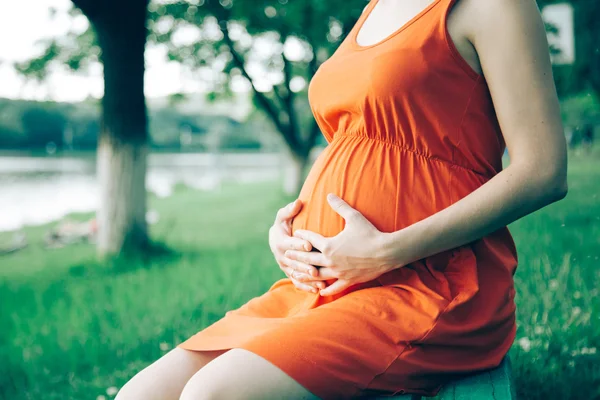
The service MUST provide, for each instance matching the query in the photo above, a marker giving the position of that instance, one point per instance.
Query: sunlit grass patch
(74, 328)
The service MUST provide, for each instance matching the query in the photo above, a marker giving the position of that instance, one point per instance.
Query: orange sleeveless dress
(411, 129)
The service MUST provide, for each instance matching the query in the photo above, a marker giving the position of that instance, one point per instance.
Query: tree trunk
(293, 176)
(123, 141)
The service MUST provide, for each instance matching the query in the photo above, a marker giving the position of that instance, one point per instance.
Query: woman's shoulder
(481, 19)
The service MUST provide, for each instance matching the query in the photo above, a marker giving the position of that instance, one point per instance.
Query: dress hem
(322, 387)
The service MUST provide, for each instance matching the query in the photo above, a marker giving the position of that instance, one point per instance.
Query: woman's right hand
(281, 239)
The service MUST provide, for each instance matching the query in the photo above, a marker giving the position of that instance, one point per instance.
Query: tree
(118, 28)
(230, 35)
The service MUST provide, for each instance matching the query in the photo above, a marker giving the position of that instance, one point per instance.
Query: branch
(263, 100)
(279, 95)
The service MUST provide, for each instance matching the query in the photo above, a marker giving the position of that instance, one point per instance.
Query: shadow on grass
(13, 379)
(155, 254)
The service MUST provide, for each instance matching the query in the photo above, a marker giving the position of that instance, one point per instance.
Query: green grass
(71, 327)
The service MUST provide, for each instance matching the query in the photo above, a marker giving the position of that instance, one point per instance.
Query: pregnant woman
(399, 264)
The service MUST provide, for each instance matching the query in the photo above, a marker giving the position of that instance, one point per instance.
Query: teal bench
(495, 384)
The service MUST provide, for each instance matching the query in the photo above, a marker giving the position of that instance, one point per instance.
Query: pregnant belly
(390, 187)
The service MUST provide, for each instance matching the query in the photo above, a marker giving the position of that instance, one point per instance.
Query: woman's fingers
(317, 284)
(307, 269)
(336, 288)
(326, 274)
(309, 280)
(303, 281)
(310, 286)
(289, 211)
(294, 243)
(304, 286)
(297, 279)
(309, 257)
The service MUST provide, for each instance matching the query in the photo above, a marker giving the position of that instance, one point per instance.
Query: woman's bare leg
(165, 378)
(240, 374)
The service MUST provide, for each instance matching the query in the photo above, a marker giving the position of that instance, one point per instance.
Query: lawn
(72, 327)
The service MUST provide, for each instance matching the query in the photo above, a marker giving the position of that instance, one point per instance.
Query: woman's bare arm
(511, 43)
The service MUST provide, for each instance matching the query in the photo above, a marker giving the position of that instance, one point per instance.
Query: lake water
(36, 190)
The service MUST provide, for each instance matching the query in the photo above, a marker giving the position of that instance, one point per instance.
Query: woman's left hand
(356, 255)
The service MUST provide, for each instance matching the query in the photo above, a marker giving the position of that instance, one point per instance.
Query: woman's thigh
(240, 374)
(165, 378)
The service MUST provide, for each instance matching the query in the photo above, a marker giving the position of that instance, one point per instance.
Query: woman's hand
(281, 240)
(353, 256)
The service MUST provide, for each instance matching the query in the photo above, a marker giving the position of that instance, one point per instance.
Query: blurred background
(145, 148)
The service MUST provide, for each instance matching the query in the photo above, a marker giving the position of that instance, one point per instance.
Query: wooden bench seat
(495, 384)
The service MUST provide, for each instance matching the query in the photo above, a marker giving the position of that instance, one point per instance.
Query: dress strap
(444, 34)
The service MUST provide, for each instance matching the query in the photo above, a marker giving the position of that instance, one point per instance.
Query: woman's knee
(211, 382)
(202, 388)
(165, 378)
(132, 390)
(240, 374)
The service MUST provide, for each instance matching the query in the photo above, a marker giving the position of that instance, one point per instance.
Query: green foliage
(43, 125)
(230, 35)
(580, 109)
(75, 50)
(309, 20)
(38, 67)
(29, 125)
(585, 73)
(11, 138)
(241, 142)
(227, 38)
